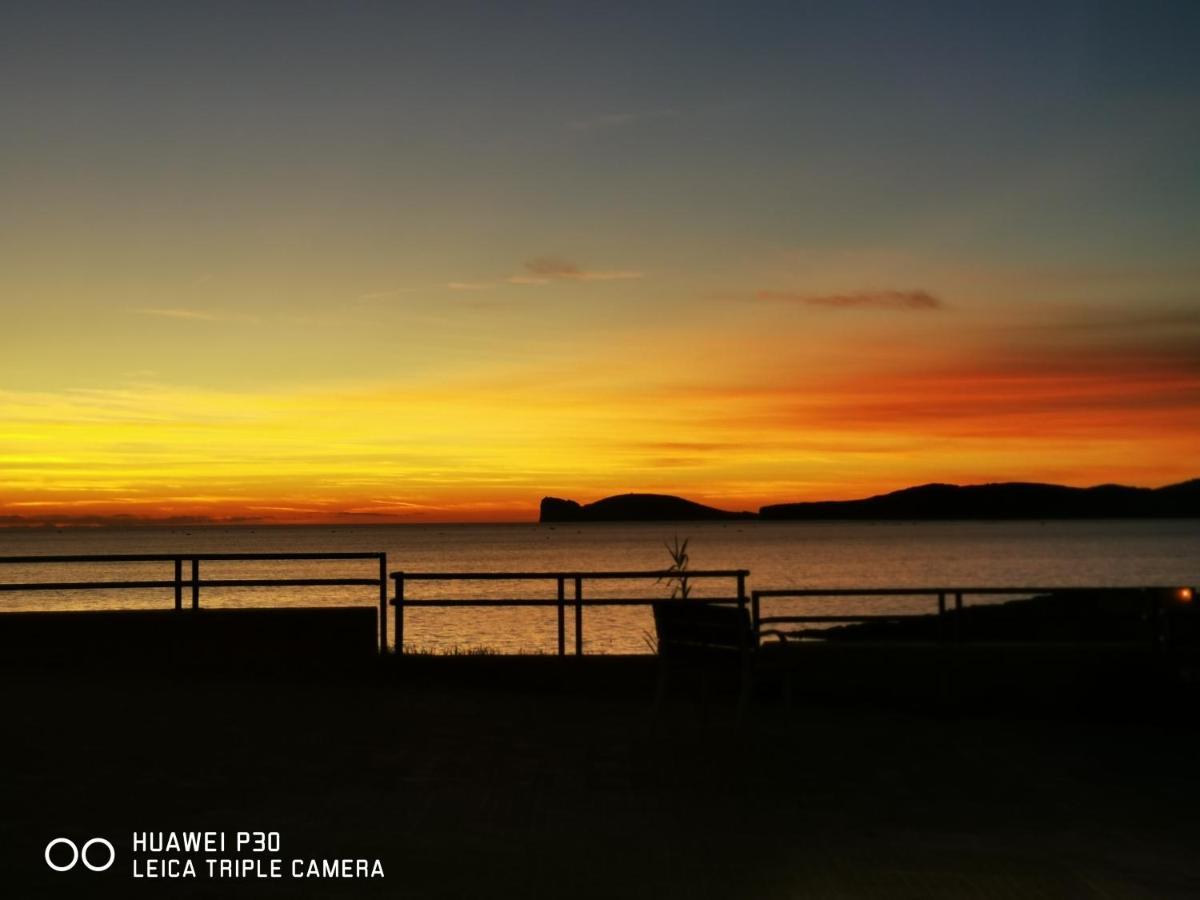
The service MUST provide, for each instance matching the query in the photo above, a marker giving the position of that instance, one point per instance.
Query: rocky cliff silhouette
(634, 508)
(1011, 500)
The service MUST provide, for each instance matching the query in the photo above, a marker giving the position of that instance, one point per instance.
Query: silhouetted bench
(710, 639)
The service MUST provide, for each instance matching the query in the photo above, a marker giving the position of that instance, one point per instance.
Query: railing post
(562, 619)
(383, 604)
(398, 577)
(578, 616)
(178, 583)
(1158, 622)
(195, 583)
(755, 611)
(947, 659)
(958, 614)
(741, 596)
(742, 635)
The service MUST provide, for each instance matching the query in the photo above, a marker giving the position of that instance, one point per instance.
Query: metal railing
(193, 583)
(1155, 599)
(186, 580)
(560, 602)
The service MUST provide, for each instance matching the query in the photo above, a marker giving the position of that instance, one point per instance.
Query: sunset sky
(353, 261)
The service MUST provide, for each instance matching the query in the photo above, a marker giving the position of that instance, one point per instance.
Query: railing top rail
(931, 591)
(535, 602)
(592, 576)
(16, 586)
(171, 557)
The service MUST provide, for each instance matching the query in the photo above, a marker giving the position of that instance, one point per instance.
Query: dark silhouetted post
(178, 583)
(399, 576)
(958, 614)
(195, 583)
(741, 598)
(579, 616)
(383, 599)
(945, 653)
(562, 619)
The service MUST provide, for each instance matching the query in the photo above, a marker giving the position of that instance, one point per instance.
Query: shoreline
(115, 528)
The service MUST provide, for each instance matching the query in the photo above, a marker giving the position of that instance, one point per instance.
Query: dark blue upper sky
(781, 248)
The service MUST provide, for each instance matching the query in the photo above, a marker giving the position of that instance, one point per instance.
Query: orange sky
(406, 264)
(771, 415)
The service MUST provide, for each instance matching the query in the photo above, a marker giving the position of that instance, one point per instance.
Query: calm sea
(778, 555)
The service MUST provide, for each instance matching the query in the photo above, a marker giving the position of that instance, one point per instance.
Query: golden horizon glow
(393, 264)
(760, 429)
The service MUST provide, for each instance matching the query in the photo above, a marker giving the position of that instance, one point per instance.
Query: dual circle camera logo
(93, 859)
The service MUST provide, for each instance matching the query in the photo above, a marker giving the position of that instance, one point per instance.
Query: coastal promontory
(634, 508)
(1009, 500)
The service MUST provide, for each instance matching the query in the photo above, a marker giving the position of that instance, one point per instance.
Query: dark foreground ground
(545, 778)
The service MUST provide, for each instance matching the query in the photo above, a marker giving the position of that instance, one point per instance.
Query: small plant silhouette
(676, 577)
(677, 574)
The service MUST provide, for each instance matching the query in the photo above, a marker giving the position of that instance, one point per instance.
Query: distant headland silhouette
(1009, 500)
(634, 507)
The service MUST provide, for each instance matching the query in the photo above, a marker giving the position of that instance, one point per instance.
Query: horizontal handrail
(186, 582)
(86, 585)
(591, 576)
(933, 591)
(171, 557)
(865, 617)
(538, 601)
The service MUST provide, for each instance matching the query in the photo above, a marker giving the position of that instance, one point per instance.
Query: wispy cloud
(471, 285)
(193, 315)
(545, 269)
(890, 299)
